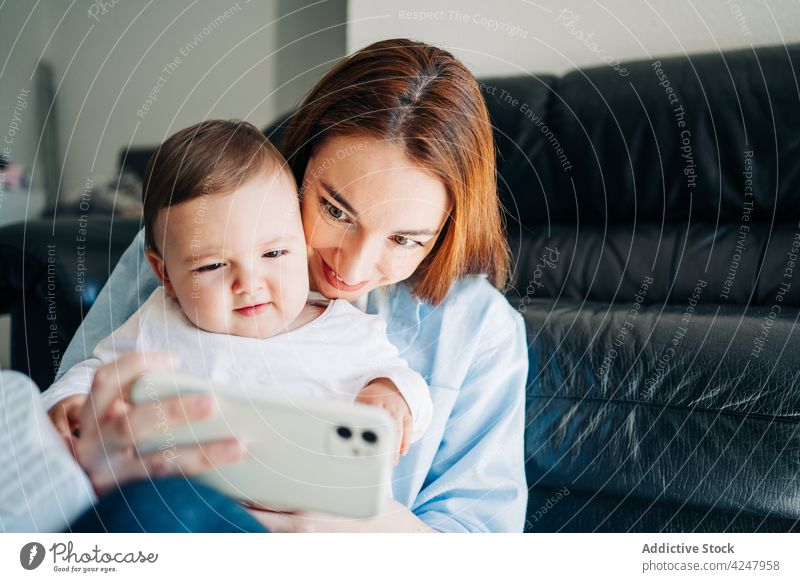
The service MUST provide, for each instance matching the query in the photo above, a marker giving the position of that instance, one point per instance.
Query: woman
(394, 152)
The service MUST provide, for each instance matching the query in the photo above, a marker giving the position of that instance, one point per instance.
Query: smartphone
(327, 456)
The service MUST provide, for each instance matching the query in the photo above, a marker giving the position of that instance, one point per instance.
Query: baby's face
(236, 261)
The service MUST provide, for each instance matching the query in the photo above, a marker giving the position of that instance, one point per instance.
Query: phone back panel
(324, 456)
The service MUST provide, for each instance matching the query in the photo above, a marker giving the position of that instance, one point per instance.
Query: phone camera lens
(369, 436)
(344, 432)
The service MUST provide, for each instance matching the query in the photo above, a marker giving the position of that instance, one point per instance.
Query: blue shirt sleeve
(130, 284)
(476, 482)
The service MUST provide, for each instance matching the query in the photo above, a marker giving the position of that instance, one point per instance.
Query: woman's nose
(358, 263)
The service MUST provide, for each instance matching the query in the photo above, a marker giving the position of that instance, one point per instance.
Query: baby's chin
(277, 319)
(254, 330)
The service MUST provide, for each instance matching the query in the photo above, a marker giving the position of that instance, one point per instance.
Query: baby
(224, 236)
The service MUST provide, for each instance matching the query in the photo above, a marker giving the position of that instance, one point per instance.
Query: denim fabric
(170, 505)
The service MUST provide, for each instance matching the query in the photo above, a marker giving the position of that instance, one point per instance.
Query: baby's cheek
(206, 307)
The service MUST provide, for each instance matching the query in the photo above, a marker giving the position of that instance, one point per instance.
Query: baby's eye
(207, 268)
(405, 242)
(334, 211)
(275, 254)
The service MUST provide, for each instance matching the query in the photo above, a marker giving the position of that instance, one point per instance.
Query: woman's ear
(160, 269)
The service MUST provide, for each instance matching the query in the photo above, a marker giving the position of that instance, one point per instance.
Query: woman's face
(370, 215)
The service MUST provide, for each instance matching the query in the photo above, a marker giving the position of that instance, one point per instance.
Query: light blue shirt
(467, 472)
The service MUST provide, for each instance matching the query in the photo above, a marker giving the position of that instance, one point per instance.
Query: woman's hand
(395, 518)
(65, 415)
(383, 393)
(111, 425)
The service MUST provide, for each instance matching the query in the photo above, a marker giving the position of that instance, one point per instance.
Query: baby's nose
(249, 283)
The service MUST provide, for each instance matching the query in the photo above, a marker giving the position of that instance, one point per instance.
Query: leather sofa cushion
(676, 410)
(592, 511)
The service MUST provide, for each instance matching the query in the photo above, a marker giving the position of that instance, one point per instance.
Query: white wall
(109, 60)
(23, 35)
(182, 60)
(143, 70)
(311, 37)
(506, 37)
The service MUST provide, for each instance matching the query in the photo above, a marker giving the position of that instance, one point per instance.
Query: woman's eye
(405, 242)
(335, 212)
(275, 254)
(207, 268)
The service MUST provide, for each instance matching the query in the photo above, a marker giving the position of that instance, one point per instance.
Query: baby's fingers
(59, 419)
(126, 465)
(73, 413)
(190, 460)
(400, 438)
(404, 444)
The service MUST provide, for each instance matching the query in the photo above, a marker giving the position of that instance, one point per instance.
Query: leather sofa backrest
(684, 170)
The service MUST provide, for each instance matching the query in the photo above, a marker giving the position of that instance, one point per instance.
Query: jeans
(166, 505)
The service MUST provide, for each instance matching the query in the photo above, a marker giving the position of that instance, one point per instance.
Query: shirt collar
(360, 303)
(401, 310)
(396, 304)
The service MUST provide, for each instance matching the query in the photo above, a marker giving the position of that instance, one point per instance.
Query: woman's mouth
(252, 310)
(335, 281)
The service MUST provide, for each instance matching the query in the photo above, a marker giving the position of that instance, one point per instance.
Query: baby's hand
(65, 416)
(384, 394)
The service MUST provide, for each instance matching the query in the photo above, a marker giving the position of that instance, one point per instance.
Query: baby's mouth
(251, 310)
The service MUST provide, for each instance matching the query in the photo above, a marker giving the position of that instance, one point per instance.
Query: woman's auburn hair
(426, 100)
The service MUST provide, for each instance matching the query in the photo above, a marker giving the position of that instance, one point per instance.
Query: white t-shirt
(333, 357)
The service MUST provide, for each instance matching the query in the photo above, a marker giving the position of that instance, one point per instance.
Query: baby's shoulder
(159, 303)
(349, 319)
(158, 313)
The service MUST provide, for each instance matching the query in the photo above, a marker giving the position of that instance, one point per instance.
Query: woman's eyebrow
(423, 232)
(337, 196)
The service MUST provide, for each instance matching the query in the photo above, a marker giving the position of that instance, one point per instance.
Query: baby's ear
(160, 269)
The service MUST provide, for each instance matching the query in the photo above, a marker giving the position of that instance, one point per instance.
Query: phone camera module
(369, 436)
(344, 432)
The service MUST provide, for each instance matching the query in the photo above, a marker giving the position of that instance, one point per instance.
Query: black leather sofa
(654, 217)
